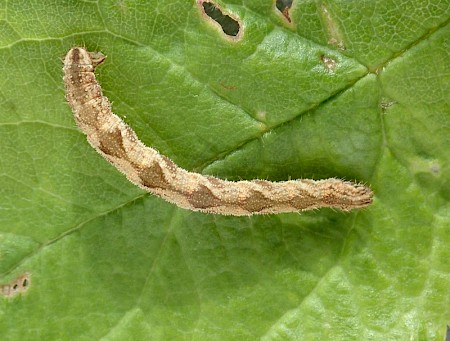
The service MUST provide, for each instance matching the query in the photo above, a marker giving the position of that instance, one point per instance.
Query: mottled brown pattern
(153, 177)
(169, 163)
(111, 143)
(301, 202)
(159, 175)
(256, 202)
(216, 183)
(203, 198)
(86, 116)
(263, 183)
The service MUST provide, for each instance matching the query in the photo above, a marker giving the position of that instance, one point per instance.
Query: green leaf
(349, 89)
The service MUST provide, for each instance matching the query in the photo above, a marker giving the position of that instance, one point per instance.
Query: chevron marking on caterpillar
(157, 174)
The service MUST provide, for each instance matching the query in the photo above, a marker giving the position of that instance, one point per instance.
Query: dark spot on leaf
(229, 25)
(15, 286)
(284, 6)
(25, 283)
(228, 87)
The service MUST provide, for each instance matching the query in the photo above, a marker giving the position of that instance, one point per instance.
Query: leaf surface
(349, 89)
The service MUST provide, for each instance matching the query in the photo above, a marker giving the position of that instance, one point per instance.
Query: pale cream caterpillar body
(157, 174)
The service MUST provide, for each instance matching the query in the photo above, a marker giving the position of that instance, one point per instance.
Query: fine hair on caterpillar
(112, 138)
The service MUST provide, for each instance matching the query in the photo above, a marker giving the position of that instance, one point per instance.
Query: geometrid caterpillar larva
(157, 174)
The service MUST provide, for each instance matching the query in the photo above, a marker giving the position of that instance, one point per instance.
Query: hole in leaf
(16, 287)
(284, 6)
(229, 26)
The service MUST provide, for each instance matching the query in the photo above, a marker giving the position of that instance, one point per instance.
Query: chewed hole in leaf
(229, 25)
(284, 6)
(16, 287)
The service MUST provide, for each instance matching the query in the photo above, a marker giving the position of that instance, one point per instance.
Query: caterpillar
(144, 166)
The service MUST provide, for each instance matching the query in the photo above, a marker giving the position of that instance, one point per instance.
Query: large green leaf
(350, 89)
